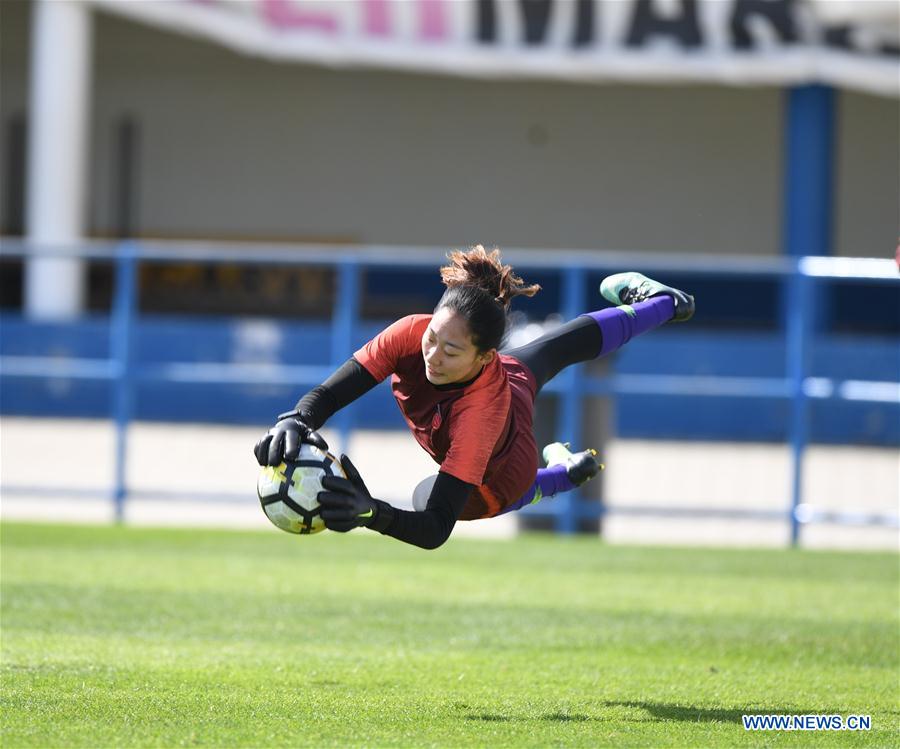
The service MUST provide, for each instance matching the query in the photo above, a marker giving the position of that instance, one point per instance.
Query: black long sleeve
(427, 529)
(431, 527)
(350, 381)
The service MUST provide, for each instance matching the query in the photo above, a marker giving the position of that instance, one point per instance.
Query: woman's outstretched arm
(347, 504)
(349, 382)
(432, 527)
(299, 426)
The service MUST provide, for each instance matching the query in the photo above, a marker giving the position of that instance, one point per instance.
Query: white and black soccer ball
(289, 492)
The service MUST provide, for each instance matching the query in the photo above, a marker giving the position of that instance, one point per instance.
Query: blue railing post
(797, 345)
(121, 330)
(808, 179)
(808, 170)
(571, 421)
(343, 330)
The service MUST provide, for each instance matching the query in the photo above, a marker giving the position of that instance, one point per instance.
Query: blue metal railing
(800, 276)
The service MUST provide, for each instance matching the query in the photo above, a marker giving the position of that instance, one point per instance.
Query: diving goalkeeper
(467, 404)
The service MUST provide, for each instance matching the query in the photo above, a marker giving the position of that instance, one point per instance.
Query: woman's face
(448, 351)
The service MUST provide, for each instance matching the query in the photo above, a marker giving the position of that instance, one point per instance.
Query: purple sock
(549, 481)
(618, 325)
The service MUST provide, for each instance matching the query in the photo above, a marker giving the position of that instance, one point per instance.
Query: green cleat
(580, 467)
(628, 288)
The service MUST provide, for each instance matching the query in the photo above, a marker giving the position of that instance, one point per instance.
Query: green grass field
(134, 637)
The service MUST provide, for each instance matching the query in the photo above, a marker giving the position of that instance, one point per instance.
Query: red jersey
(480, 433)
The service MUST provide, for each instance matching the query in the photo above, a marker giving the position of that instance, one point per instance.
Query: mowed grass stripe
(137, 637)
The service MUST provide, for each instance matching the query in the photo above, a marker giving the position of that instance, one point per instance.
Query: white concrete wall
(163, 459)
(867, 181)
(283, 150)
(234, 146)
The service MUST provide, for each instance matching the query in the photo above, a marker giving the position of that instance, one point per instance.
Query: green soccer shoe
(628, 288)
(580, 467)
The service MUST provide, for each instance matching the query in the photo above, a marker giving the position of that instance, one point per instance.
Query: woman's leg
(599, 333)
(549, 482)
(575, 470)
(589, 336)
(565, 471)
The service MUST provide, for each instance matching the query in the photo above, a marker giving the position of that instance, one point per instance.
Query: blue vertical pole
(809, 137)
(807, 230)
(809, 170)
(572, 400)
(122, 330)
(343, 330)
(797, 338)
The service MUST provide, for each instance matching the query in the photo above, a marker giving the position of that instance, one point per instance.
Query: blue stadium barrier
(120, 369)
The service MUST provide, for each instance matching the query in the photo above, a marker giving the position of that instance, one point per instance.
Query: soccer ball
(289, 492)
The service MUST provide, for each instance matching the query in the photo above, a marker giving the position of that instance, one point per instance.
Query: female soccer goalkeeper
(469, 406)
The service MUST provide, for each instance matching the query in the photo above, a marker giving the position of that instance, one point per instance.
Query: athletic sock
(553, 480)
(548, 483)
(618, 325)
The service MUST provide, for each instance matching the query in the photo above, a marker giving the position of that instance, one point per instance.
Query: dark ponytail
(481, 288)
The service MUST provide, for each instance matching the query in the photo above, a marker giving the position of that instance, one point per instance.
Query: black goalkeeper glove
(346, 503)
(282, 441)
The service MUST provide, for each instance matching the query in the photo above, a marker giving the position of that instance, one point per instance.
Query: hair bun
(485, 270)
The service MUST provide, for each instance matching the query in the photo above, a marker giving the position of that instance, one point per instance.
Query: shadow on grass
(557, 717)
(659, 711)
(689, 713)
(490, 717)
